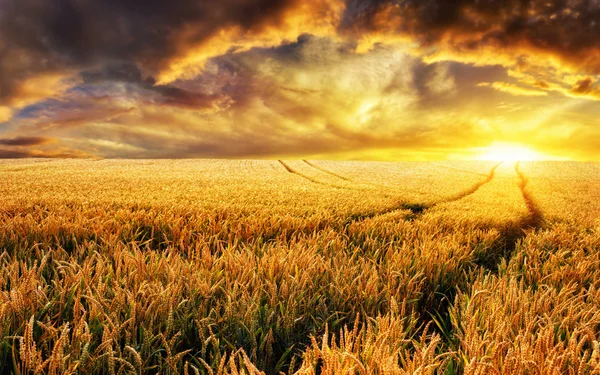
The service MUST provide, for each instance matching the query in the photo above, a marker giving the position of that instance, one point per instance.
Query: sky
(322, 79)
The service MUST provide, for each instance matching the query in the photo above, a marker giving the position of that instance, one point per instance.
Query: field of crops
(299, 267)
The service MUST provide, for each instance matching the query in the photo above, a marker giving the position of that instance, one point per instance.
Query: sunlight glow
(502, 151)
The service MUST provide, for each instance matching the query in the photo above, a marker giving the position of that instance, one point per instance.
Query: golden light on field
(502, 151)
(234, 246)
(299, 187)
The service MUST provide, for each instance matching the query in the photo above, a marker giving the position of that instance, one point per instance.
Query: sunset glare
(510, 152)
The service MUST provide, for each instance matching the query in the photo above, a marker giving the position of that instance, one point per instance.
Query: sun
(502, 151)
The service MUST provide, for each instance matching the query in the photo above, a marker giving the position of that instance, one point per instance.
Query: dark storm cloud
(65, 36)
(25, 141)
(158, 78)
(62, 153)
(314, 95)
(15, 154)
(36, 147)
(585, 88)
(147, 87)
(41, 37)
(566, 29)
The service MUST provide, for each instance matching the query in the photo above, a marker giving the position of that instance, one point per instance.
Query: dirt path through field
(536, 217)
(292, 170)
(512, 232)
(473, 189)
(326, 171)
(418, 209)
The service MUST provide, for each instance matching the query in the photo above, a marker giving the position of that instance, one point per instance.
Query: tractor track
(293, 171)
(473, 189)
(300, 174)
(535, 218)
(509, 237)
(326, 171)
(418, 209)
(511, 233)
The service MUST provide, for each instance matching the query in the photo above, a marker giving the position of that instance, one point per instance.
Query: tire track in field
(536, 217)
(473, 189)
(293, 171)
(513, 232)
(418, 209)
(439, 302)
(326, 171)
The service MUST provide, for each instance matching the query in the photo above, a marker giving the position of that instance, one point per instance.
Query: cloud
(313, 96)
(60, 154)
(51, 42)
(174, 40)
(190, 78)
(25, 141)
(136, 86)
(585, 88)
(166, 40)
(513, 89)
(441, 81)
(566, 32)
(5, 113)
(36, 147)
(546, 42)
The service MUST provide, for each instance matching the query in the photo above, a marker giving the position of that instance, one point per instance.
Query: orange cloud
(6, 113)
(26, 141)
(560, 37)
(585, 88)
(36, 147)
(319, 17)
(58, 153)
(513, 89)
(183, 35)
(308, 97)
(294, 77)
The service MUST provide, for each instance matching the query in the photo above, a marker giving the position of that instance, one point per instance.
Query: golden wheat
(243, 267)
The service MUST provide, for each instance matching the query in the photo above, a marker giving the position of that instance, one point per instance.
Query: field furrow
(292, 170)
(565, 191)
(326, 171)
(536, 217)
(473, 189)
(416, 209)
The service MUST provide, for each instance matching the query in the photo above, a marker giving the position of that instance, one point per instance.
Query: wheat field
(299, 267)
